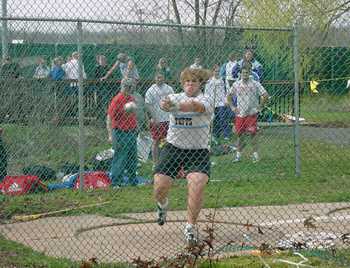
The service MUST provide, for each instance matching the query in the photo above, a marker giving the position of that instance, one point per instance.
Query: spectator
(248, 58)
(227, 70)
(101, 68)
(164, 69)
(159, 118)
(68, 59)
(186, 146)
(42, 70)
(72, 69)
(142, 113)
(9, 69)
(197, 64)
(248, 93)
(57, 73)
(3, 158)
(126, 66)
(104, 89)
(121, 128)
(131, 71)
(216, 91)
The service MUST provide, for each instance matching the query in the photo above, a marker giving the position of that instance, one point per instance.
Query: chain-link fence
(252, 95)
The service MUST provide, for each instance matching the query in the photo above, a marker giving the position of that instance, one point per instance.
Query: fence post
(4, 41)
(81, 108)
(296, 64)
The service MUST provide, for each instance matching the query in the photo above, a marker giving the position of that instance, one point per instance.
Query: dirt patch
(137, 235)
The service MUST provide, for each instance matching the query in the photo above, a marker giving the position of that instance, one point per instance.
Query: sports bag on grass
(23, 184)
(94, 180)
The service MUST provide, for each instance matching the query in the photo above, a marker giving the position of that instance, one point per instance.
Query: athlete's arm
(191, 106)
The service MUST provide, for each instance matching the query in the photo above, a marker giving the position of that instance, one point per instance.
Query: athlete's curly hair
(202, 75)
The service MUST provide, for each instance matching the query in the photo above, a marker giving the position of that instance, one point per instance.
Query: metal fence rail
(58, 88)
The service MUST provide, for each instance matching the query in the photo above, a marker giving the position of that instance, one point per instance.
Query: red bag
(94, 180)
(23, 184)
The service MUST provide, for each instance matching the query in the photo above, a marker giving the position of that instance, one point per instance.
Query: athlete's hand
(166, 104)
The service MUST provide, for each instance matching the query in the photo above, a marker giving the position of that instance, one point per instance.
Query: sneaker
(255, 157)
(237, 157)
(161, 212)
(190, 235)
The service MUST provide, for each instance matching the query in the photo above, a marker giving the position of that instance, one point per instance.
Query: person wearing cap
(122, 133)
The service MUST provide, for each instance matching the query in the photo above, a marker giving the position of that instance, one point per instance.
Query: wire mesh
(185, 89)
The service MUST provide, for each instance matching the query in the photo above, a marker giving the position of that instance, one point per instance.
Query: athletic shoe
(237, 157)
(161, 212)
(255, 157)
(190, 237)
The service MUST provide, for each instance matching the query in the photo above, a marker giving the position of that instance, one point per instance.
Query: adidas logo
(15, 187)
(101, 184)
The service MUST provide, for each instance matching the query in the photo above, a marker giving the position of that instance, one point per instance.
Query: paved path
(339, 136)
(123, 239)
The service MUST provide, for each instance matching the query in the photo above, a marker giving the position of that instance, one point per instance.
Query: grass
(13, 254)
(271, 182)
(326, 109)
(325, 177)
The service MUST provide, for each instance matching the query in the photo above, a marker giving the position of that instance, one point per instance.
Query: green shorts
(192, 160)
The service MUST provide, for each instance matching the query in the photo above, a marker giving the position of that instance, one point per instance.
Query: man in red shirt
(121, 127)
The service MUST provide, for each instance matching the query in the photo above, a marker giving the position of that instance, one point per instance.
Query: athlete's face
(192, 87)
(159, 79)
(245, 74)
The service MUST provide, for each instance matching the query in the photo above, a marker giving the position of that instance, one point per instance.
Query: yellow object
(41, 215)
(313, 86)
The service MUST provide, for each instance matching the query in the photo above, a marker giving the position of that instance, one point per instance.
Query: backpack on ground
(23, 184)
(94, 180)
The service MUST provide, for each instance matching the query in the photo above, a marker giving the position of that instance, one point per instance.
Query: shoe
(190, 237)
(237, 157)
(161, 212)
(255, 157)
